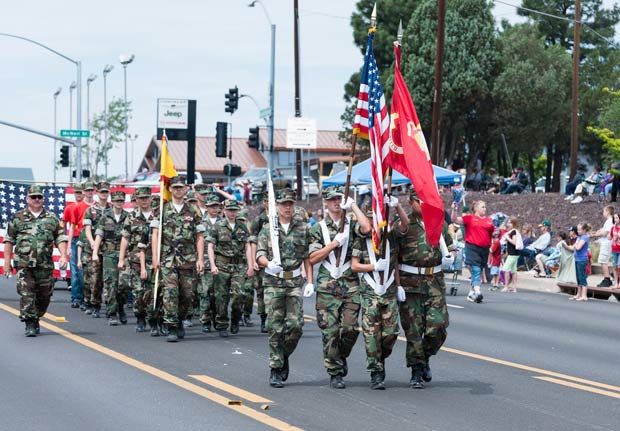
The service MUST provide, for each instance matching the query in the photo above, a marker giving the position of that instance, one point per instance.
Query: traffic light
(253, 138)
(64, 156)
(232, 100)
(221, 139)
(232, 170)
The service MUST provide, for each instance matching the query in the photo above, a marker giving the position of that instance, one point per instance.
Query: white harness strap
(334, 270)
(375, 280)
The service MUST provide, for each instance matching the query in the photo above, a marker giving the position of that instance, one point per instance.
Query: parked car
(258, 178)
(310, 186)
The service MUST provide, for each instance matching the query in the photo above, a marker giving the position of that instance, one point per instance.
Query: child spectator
(550, 259)
(580, 251)
(514, 243)
(614, 236)
(495, 260)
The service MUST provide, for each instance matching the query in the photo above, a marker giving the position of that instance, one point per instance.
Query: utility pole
(297, 97)
(574, 135)
(437, 92)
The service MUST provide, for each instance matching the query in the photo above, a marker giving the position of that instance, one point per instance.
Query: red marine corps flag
(408, 154)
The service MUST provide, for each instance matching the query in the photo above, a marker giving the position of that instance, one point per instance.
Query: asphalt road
(515, 362)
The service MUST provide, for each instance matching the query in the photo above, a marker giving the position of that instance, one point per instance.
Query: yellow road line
(183, 384)
(514, 365)
(55, 318)
(580, 387)
(241, 393)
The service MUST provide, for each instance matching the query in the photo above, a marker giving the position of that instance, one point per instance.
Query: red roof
(328, 141)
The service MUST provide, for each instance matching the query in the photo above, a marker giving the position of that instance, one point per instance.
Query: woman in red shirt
(614, 236)
(478, 232)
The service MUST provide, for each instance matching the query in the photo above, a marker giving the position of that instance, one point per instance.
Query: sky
(186, 49)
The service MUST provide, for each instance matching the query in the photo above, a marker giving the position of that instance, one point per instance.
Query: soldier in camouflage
(32, 233)
(95, 268)
(283, 284)
(108, 242)
(84, 252)
(256, 225)
(338, 298)
(423, 313)
(181, 259)
(136, 233)
(231, 262)
(379, 301)
(248, 284)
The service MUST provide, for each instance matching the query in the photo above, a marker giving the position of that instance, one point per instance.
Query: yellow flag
(166, 170)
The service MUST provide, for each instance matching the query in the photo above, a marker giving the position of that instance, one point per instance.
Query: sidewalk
(527, 281)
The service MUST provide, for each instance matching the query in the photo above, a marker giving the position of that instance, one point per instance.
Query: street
(517, 361)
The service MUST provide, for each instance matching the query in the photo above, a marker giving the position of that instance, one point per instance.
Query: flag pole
(161, 223)
(347, 187)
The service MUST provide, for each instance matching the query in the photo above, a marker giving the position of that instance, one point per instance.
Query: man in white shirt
(541, 243)
(605, 244)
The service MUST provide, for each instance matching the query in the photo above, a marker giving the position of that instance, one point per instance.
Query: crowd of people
(196, 254)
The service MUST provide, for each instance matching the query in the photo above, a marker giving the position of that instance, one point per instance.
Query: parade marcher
(210, 208)
(283, 283)
(256, 225)
(181, 258)
(94, 268)
(108, 244)
(77, 225)
(191, 199)
(231, 262)
(136, 233)
(32, 233)
(423, 311)
(248, 284)
(338, 297)
(73, 232)
(378, 289)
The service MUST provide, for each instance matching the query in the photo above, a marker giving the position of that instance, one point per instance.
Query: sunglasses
(36, 197)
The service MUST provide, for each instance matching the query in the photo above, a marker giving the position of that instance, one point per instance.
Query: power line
(314, 12)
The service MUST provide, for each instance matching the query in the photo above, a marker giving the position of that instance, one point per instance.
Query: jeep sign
(172, 113)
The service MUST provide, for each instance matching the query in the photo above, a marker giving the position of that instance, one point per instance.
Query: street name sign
(68, 133)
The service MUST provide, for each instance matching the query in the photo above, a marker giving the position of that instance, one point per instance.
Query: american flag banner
(372, 122)
(13, 199)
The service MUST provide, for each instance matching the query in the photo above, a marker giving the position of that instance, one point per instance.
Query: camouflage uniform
(178, 259)
(229, 246)
(283, 294)
(379, 312)
(338, 300)
(205, 284)
(33, 239)
(137, 231)
(94, 269)
(248, 283)
(110, 230)
(256, 225)
(424, 315)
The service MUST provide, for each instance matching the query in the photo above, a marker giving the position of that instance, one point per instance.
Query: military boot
(247, 321)
(95, 313)
(122, 316)
(234, 326)
(223, 333)
(337, 382)
(31, 330)
(206, 327)
(416, 381)
(140, 325)
(172, 334)
(284, 370)
(377, 380)
(275, 379)
(112, 320)
(181, 332)
(154, 327)
(427, 374)
(89, 310)
(37, 327)
(84, 306)
(263, 320)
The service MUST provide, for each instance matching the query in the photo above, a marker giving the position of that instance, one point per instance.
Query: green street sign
(265, 113)
(67, 133)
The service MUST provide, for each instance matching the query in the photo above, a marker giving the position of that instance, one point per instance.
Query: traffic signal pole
(297, 96)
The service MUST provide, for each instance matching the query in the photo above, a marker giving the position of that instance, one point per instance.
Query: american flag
(372, 122)
(13, 199)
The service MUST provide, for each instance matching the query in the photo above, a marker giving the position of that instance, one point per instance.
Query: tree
(115, 121)
(469, 66)
(608, 130)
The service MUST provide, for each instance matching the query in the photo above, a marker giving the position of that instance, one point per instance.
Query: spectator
(318, 215)
(311, 219)
(587, 186)
(550, 259)
(363, 194)
(526, 234)
(606, 184)
(513, 241)
(614, 236)
(572, 185)
(474, 180)
(491, 184)
(605, 245)
(495, 260)
(615, 184)
(541, 243)
(518, 182)
(580, 251)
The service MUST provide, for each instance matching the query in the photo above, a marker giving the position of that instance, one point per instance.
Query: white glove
(346, 203)
(342, 238)
(400, 294)
(274, 266)
(309, 290)
(391, 201)
(381, 265)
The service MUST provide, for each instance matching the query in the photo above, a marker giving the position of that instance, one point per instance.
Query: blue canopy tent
(360, 174)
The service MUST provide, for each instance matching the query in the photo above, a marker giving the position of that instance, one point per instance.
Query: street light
(90, 79)
(71, 88)
(56, 93)
(125, 61)
(271, 80)
(107, 69)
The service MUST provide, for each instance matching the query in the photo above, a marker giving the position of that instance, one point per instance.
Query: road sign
(68, 133)
(265, 113)
(301, 133)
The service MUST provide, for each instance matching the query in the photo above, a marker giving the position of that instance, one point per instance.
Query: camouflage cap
(35, 191)
(231, 204)
(413, 195)
(190, 196)
(333, 192)
(155, 202)
(89, 185)
(211, 200)
(118, 196)
(285, 195)
(132, 198)
(78, 187)
(178, 181)
(143, 192)
(202, 188)
(103, 186)
(243, 215)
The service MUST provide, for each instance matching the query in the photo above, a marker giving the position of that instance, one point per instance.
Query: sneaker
(172, 335)
(95, 313)
(605, 283)
(112, 321)
(31, 330)
(234, 326)
(275, 379)
(569, 197)
(337, 382)
(83, 306)
(416, 382)
(427, 374)
(247, 321)
(141, 325)
(377, 381)
(122, 316)
(75, 304)
(37, 327)
(479, 298)
(284, 370)
(187, 323)
(89, 310)
(206, 328)
(471, 296)
(577, 200)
